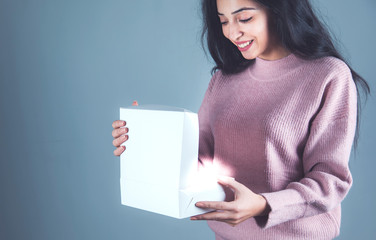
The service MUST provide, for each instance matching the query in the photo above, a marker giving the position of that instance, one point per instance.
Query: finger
(135, 103)
(118, 151)
(226, 217)
(230, 183)
(216, 205)
(118, 141)
(231, 224)
(118, 123)
(119, 131)
(236, 220)
(217, 216)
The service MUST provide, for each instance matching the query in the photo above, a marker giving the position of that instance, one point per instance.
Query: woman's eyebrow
(239, 10)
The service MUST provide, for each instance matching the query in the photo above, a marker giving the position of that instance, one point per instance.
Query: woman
(279, 115)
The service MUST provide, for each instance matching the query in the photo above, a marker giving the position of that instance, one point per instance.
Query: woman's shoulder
(323, 71)
(330, 66)
(219, 77)
(334, 77)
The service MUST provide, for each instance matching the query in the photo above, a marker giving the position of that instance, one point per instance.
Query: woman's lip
(246, 47)
(238, 43)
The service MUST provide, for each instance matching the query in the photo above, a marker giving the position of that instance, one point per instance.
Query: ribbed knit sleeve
(325, 157)
(206, 140)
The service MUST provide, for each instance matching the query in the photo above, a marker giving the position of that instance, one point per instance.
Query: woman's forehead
(225, 7)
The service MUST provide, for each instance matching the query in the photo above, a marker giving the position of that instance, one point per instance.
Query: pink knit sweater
(284, 129)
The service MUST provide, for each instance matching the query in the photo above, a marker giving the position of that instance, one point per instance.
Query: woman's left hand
(247, 204)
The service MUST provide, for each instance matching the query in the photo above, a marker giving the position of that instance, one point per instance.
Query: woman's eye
(223, 23)
(245, 20)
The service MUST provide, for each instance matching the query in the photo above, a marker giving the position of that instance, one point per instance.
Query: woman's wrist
(264, 206)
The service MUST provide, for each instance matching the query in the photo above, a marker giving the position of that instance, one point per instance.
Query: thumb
(230, 182)
(135, 103)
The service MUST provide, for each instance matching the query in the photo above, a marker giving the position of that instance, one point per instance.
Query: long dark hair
(297, 27)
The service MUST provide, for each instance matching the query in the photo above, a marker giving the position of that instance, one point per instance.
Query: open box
(158, 170)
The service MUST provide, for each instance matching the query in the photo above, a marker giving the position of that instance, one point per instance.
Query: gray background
(65, 69)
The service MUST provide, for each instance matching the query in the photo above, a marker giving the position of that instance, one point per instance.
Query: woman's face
(245, 24)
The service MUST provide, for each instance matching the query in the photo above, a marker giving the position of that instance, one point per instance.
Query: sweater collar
(265, 70)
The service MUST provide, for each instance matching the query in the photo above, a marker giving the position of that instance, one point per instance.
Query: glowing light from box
(208, 175)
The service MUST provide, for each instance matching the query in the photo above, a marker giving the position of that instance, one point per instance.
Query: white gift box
(158, 170)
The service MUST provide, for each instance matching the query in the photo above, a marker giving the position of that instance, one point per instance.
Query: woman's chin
(249, 56)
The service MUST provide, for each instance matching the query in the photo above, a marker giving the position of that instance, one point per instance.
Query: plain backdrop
(66, 66)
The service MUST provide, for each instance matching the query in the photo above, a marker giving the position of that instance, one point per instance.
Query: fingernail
(193, 218)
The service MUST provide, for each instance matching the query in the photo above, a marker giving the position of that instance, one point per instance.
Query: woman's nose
(234, 31)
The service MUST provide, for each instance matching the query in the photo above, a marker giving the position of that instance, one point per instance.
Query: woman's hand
(247, 204)
(120, 134)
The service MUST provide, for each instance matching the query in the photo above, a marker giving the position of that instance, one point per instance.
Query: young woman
(279, 116)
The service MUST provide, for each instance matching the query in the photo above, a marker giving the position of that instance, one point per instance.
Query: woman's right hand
(120, 134)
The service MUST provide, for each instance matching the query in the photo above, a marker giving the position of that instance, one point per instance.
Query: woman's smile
(244, 45)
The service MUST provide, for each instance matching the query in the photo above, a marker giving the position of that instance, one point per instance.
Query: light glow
(206, 177)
